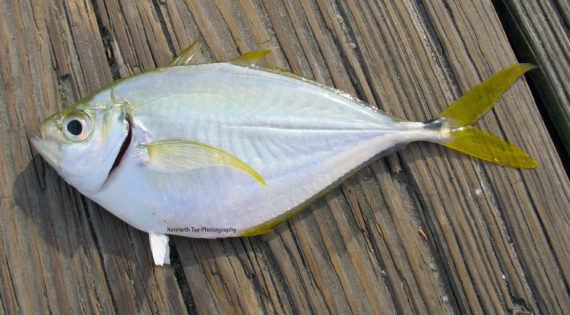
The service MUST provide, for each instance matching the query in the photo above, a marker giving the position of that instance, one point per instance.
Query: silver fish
(232, 149)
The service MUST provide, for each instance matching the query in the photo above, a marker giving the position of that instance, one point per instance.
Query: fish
(232, 149)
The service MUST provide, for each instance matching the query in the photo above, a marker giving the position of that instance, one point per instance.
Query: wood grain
(424, 230)
(539, 34)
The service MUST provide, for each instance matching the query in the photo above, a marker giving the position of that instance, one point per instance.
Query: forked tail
(457, 122)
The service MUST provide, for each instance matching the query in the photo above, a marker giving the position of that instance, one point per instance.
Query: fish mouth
(46, 144)
(124, 146)
(47, 148)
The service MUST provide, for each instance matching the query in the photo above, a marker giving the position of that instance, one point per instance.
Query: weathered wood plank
(539, 33)
(424, 230)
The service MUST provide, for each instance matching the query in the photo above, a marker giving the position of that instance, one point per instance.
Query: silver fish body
(228, 149)
(301, 138)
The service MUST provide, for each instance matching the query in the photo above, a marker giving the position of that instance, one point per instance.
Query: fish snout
(45, 142)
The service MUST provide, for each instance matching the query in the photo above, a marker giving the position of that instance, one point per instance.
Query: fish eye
(77, 127)
(74, 127)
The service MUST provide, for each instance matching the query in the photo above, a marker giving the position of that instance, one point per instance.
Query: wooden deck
(424, 230)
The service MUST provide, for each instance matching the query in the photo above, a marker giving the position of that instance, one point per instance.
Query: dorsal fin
(250, 58)
(284, 72)
(192, 55)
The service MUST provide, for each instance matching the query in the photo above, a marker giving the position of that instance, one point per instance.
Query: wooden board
(539, 34)
(423, 230)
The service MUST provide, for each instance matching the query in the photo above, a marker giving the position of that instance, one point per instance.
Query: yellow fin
(270, 225)
(192, 55)
(250, 58)
(481, 98)
(488, 147)
(182, 155)
(284, 73)
(457, 119)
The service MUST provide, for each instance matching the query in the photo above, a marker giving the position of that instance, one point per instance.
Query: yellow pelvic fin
(457, 119)
(481, 98)
(183, 155)
(192, 55)
(250, 58)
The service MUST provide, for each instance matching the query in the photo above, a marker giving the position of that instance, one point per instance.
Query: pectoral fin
(192, 55)
(183, 155)
(250, 58)
(159, 248)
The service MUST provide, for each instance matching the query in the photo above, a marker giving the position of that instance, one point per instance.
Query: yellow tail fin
(458, 118)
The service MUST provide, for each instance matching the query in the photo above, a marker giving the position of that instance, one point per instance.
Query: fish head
(84, 142)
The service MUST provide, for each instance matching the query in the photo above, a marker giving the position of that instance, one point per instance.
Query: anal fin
(160, 249)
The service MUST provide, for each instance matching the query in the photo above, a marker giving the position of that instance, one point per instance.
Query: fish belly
(300, 137)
